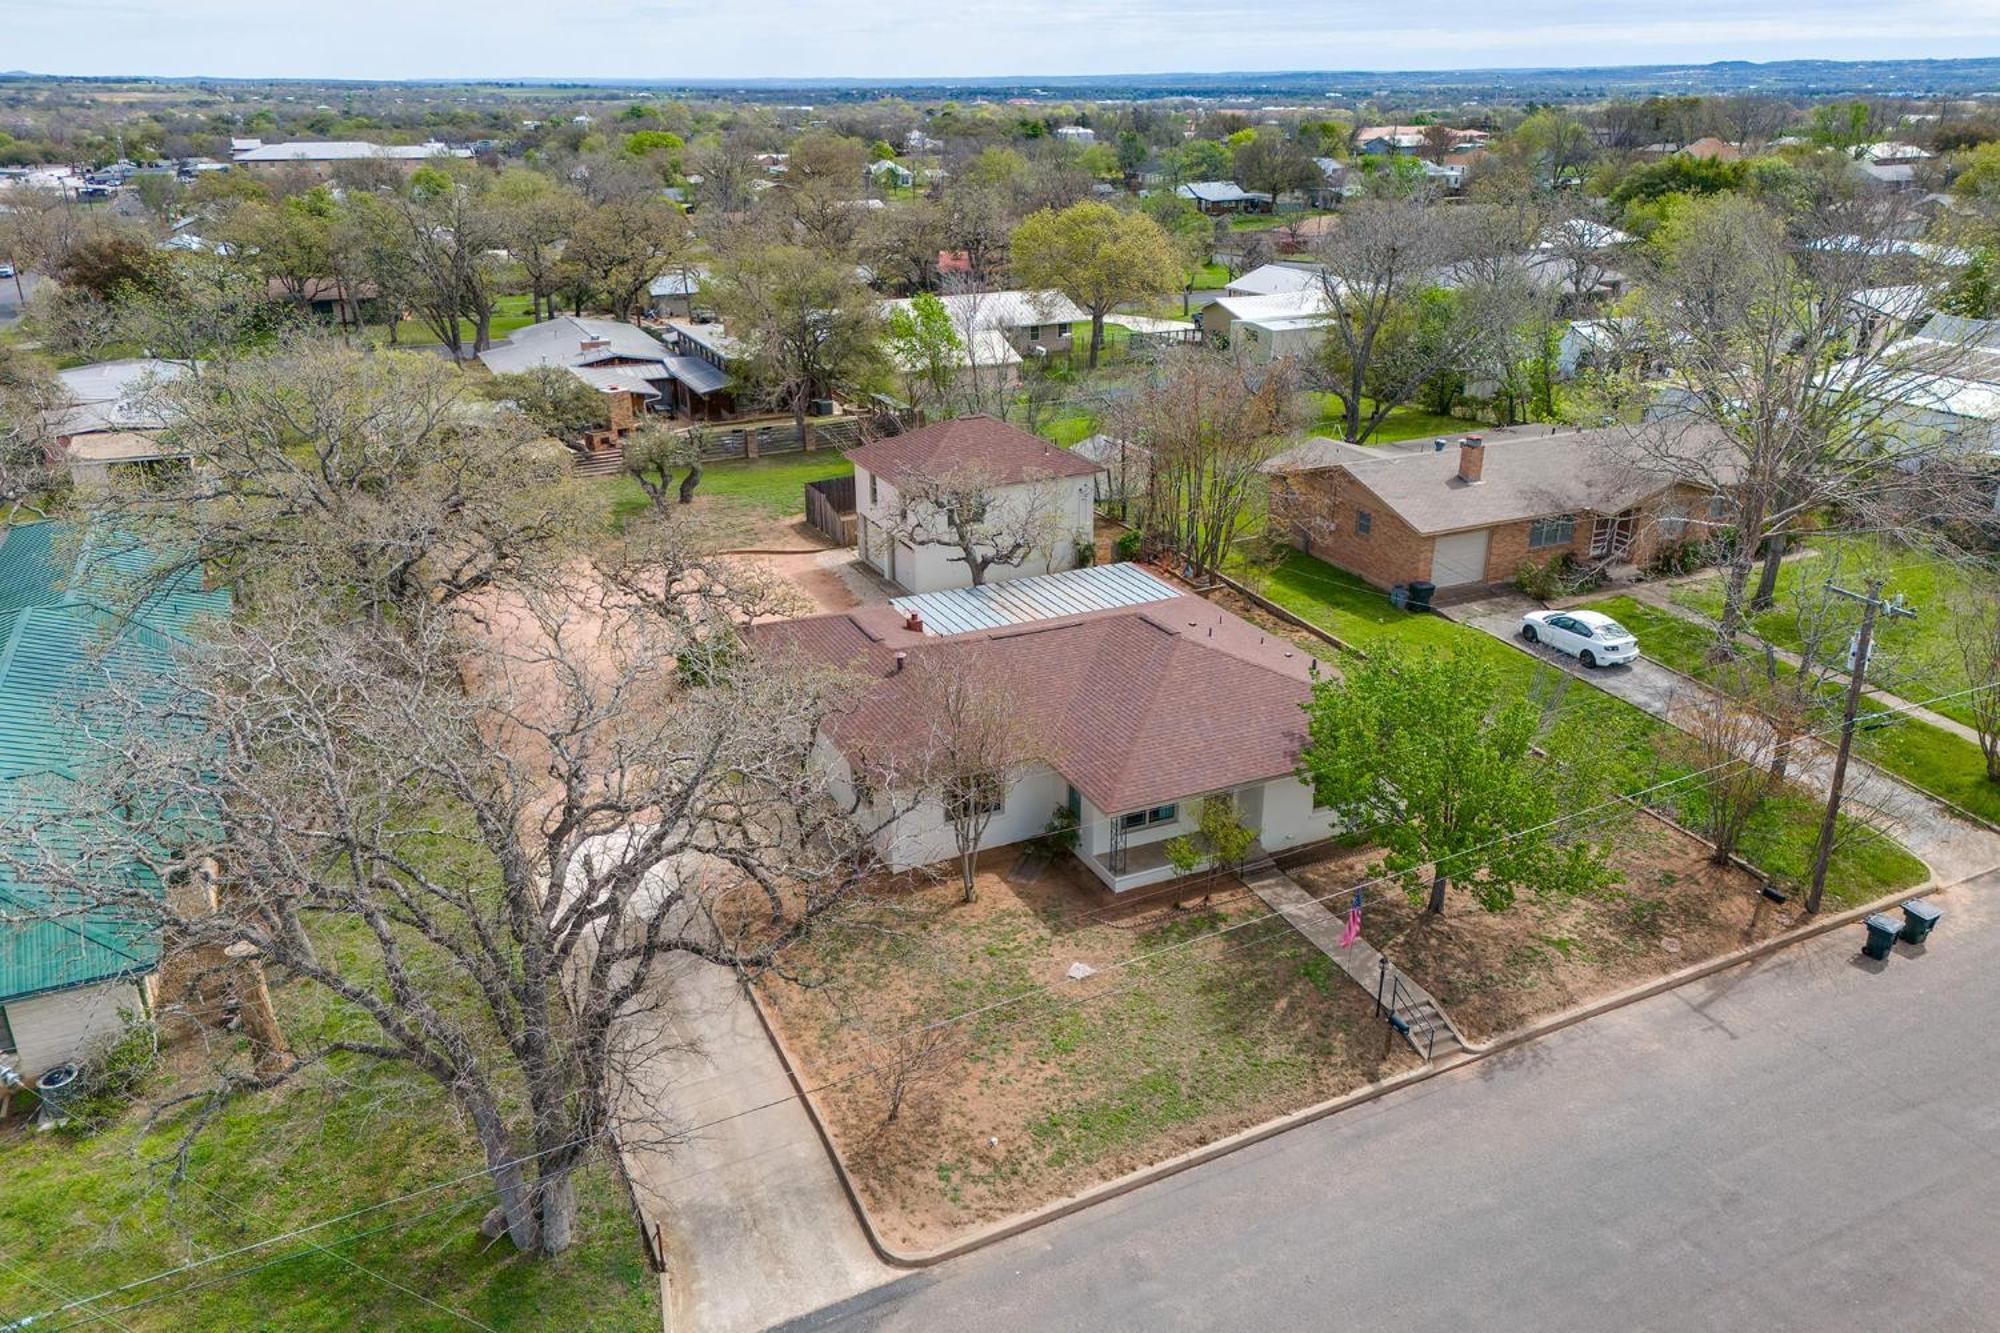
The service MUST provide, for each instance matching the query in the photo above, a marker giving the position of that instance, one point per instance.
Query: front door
(1611, 538)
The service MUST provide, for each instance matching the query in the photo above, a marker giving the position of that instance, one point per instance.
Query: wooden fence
(830, 508)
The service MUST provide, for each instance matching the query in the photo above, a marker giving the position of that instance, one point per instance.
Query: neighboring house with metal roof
(67, 969)
(1031, 323)
(1023, 484)
(672, 294)
(623, 362)
(1472, 512)
(321, 157)
(1224, 197)
(1942, 384)
(1263, 329)
(112, 419)
(1271, 279)
(1137, 701)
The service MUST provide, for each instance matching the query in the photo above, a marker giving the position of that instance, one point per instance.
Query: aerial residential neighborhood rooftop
(1273, 700)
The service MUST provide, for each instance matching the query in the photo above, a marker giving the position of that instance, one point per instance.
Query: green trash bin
(1882, 932)
(1919, 918)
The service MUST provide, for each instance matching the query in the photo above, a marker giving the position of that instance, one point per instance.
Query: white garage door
(1459, 558)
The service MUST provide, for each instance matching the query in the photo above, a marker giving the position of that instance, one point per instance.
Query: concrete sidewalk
(1954, 848)
(1660, 597)
(757, 1227)
(1323, 926)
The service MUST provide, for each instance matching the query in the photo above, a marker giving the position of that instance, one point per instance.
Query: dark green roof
(69, 626)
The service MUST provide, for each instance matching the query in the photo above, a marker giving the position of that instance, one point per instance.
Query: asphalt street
(1807, 1142)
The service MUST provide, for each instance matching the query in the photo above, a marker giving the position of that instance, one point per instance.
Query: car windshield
(1611, 629)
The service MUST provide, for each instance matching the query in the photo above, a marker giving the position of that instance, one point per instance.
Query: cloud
(668, 39)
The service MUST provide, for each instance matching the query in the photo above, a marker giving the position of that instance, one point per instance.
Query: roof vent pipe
(900, 659)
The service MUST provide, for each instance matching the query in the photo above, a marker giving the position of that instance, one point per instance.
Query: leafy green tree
(1098, 257)
(804, 323)
(1972, 292)
(925, 347)
(553, 400)
(1416, 747)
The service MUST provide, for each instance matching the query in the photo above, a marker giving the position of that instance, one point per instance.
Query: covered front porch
(1128, 849)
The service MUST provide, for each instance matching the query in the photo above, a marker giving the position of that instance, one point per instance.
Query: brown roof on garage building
(995, 451)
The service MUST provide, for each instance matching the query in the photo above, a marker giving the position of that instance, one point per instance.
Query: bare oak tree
(512, 830)
(982, 520)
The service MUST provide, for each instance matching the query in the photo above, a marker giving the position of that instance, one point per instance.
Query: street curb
(1113, 1189)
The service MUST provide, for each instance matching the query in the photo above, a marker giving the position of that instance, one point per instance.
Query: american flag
(1353, 931)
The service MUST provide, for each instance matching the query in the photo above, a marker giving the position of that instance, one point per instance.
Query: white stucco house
(1139, 703)
(1035, 503)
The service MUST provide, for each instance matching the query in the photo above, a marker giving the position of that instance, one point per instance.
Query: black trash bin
(1919, 918)
(1882, 932)
(1420, 594)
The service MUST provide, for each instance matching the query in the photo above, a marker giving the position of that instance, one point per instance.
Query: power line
(1610, 808)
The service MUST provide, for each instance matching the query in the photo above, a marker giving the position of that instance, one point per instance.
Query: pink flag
(1353, 931)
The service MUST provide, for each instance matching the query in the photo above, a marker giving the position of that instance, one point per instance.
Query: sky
(683, 39)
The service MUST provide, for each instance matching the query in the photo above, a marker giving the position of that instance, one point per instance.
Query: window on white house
(1153, 818)
(1034, 333)
(985, 795)
(1555, 530)
(874, 495)
(1364, 522)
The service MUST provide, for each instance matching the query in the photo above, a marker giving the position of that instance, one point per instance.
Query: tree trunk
(1767, 580)
(799, 419)
(1438, 882)
(510, 1184)
(1096, 338)
(967, 863)
(690, 481)
(558, 1210)
(1735, 581)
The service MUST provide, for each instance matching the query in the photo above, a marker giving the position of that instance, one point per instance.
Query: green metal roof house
(67, 628)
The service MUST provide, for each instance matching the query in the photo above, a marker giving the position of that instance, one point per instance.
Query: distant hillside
(1791, 78)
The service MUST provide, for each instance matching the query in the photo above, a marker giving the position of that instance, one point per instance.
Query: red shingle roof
(992, 449)
(1136, 706)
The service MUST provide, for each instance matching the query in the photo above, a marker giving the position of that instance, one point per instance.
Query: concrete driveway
(1953, 847)
(757, 1228)
(12, 299)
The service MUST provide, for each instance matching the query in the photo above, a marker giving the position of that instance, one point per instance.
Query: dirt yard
(831, 577)
(1181, 1037)
(1495, 972)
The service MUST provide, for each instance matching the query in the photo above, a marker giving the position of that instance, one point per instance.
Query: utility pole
(1871, 603)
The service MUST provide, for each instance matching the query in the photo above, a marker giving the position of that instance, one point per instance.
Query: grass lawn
(1403, 423)
(1496, 972)
(86, 1214)
(753, 490)
(1047, 1096)
(1211, 277)
(1641, 750)
(509, 314)
(1924, 755)
(1916, 658)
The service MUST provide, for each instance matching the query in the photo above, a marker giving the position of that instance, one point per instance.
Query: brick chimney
(595, 344)
(1471, 459)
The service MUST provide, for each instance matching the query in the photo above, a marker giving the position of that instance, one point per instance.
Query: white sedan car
(1591, 637)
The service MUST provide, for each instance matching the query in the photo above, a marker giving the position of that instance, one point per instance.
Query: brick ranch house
(1475, 513)
(1139, 701)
